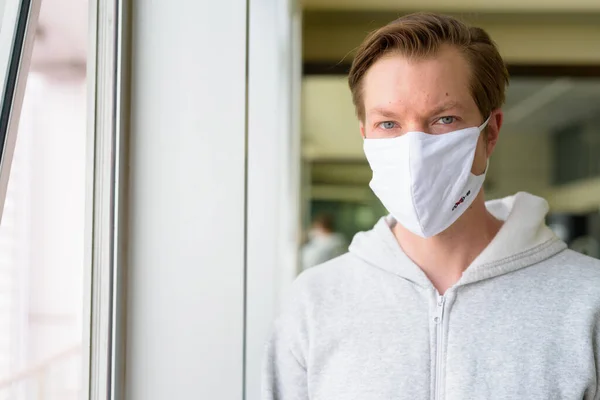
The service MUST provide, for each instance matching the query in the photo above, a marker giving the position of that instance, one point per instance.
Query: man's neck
(446, 256)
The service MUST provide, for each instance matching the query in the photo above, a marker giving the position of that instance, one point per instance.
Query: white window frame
(106, 181)
(106, 152)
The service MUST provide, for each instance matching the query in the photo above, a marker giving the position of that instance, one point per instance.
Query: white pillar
(185, 283)
(273, 171)
(214, 193)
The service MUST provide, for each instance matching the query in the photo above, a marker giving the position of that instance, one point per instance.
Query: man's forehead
(446, 55)
(396, 82)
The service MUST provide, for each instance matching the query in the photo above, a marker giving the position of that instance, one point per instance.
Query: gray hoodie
(523, 322)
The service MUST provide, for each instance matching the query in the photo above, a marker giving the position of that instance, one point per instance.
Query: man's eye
(446, 120)
(388, 125)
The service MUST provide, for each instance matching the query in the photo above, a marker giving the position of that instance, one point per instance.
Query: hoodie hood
(523, 240)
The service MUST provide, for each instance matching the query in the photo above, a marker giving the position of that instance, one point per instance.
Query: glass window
(43, 222)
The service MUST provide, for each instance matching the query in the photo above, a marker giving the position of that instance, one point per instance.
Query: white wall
(213, 197)
(273, 186)
(187, 211)
(330, 129)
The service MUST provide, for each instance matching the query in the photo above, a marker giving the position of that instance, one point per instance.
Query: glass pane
(42, 229)
(19, 18)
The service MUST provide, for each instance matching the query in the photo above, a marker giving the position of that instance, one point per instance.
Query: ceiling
(556, 30)
(533, 107)
(332, 36)
(556, 6)
(63, 33)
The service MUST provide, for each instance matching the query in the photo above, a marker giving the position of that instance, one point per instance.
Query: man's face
(431, 95)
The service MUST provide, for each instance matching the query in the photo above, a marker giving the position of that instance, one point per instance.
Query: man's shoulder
(340, 277)
(576, 264)
(341, 268)
(571, 273)
(317, 288)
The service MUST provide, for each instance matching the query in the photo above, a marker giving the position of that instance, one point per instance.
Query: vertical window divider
(107, 158)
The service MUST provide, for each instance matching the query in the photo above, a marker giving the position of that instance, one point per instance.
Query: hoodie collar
(523, 240)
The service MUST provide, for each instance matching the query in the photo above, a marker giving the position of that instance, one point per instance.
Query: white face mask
(425, 180)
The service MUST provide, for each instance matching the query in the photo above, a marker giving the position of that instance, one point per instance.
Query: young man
(449, 297)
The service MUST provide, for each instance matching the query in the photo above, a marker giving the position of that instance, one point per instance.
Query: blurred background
(549, 146)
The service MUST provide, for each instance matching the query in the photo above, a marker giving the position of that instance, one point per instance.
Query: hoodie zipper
(439, 320)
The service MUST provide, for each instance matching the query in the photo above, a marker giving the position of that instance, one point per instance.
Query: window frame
(107, 74)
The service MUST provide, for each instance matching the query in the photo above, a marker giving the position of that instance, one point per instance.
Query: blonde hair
(420, 35)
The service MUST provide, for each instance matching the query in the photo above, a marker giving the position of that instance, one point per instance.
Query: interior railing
(46, 380)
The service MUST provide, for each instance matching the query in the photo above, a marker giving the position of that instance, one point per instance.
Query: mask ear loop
(482, 127)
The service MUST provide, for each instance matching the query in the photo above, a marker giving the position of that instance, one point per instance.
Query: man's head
(323, 224)
(429, 73)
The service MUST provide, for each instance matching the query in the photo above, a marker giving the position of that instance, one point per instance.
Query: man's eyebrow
(446, 106)
(384, 112)
(387, 113)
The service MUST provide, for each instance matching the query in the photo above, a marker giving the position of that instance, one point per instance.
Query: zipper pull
(440, 305)
(441, 300)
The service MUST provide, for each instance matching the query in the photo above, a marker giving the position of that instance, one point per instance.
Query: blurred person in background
(323, 242)
(449, 297)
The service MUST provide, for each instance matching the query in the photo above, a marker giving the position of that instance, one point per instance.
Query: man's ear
(362, 130)
(493, 130)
